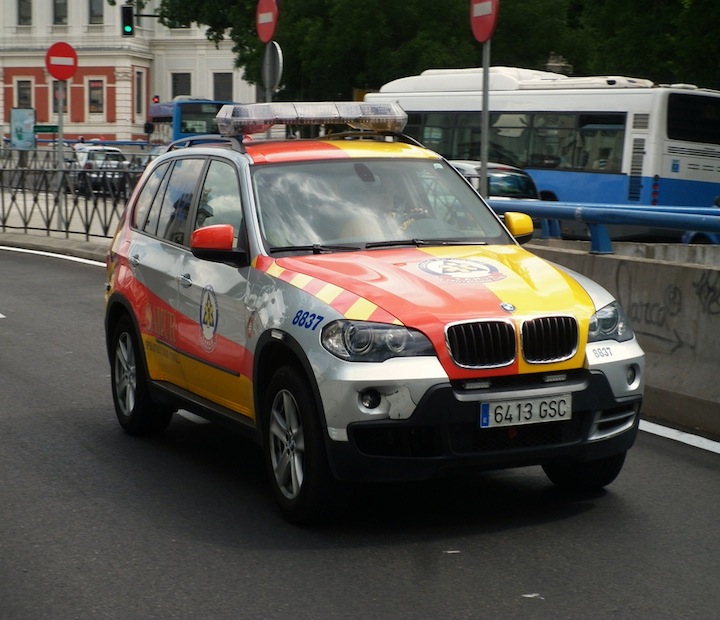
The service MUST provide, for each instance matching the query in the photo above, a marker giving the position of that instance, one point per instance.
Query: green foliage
(333, 47)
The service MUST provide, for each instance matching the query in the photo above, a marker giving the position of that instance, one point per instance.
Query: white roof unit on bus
(239, 120)
(503, 78)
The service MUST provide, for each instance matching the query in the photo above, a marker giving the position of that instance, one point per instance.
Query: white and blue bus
(183, 117)
(612, 140)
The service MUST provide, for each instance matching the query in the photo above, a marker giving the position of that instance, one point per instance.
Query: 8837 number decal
(308, 320)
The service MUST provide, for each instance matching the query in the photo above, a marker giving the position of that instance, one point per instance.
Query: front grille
(549, 339)
(485, 344)
(492, 344)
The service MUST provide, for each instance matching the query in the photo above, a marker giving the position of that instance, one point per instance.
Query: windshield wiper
(315, 248)
(422, 242)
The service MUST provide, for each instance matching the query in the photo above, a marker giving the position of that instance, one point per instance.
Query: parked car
(100, 169)
(504, 181)
(352, 305)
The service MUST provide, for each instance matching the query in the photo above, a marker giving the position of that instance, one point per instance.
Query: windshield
(369, 203)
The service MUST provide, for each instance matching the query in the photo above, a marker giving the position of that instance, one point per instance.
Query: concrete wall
(672, 297)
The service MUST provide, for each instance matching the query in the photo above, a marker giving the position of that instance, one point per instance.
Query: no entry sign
(483, 17)
(61, 60)
(266, 19)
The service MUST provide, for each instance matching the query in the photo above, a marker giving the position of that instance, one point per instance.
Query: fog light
(631, 375)
(370, 399)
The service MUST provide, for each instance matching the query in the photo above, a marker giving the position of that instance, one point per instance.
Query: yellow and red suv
(353, 304)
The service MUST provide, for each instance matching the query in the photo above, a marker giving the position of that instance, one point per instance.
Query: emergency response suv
(353, 304)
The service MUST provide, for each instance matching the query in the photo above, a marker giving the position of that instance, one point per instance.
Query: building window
(60, 13)
(23, 88)
(223, 86)
(57, 94)
(24, 12)
(96, 12)
(180, 84)
(140, 94)
(96, 97)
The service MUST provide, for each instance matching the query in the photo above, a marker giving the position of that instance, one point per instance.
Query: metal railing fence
(37, 196)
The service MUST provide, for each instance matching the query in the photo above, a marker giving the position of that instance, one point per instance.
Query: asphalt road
(97, 524)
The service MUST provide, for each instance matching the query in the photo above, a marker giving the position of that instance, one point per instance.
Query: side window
(146, 197)
(178, 197)
(220, 201)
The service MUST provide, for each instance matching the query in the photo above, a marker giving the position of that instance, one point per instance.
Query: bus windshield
(178, 119)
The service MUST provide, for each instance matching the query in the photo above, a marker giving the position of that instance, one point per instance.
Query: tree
(333, 48)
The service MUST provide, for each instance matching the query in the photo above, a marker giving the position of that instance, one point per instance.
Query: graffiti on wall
(660, 319)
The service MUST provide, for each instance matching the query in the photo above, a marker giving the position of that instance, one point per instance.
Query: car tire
(585, 475)
(136, 411)
(295, 455)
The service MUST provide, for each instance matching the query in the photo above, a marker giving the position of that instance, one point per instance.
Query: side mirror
(520, 226)
(216, 243)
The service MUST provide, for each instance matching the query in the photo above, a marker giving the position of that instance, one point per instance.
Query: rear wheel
(295, 455)
(585, 476)
(137, 413)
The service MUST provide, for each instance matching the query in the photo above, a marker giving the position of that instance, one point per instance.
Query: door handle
(134, 260)
(184, 279)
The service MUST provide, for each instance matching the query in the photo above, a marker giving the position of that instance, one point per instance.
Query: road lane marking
(681, 436)
(75, 259)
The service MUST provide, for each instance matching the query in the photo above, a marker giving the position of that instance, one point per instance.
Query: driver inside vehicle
(374, 220)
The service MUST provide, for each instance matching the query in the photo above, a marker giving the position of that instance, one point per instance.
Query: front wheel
(137, 413)
(585, 476)
(295, 455)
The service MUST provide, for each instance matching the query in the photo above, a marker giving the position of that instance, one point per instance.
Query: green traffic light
(128, 29)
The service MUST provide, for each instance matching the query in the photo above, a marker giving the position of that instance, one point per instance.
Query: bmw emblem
(507, 307)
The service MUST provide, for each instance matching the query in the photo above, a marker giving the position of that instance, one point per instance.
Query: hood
(429, 288)
(449, 283)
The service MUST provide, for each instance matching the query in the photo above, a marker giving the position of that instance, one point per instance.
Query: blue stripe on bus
(572, 186)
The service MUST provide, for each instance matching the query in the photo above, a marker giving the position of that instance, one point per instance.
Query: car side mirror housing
(216, 243)
(520, 226)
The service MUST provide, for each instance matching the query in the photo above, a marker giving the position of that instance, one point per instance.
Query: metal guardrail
(597, 216)
(37, 196)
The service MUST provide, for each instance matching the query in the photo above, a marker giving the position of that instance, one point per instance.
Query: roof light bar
(238, 120)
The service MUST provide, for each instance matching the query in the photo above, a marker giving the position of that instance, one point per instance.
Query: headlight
(360, 341)
(609, 323)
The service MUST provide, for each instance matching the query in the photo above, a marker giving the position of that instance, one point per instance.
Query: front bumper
(443, 436)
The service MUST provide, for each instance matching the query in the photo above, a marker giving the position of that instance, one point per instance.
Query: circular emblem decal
(507, 307)
(461, 270)
(208, 318)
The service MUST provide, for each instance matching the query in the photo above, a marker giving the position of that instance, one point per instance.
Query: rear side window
(177, 198)
(146, 197)
(164, 202)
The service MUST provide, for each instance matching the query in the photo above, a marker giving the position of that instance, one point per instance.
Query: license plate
(528, 411)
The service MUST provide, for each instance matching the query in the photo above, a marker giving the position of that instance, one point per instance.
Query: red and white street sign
(61, 60)
(266, 19)
(483, 17)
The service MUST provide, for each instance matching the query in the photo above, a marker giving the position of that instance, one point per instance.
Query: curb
(80, 248)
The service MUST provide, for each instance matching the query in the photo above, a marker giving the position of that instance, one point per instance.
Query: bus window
(603, 136)
(693, 118)
(555, 141)
(437, 133)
